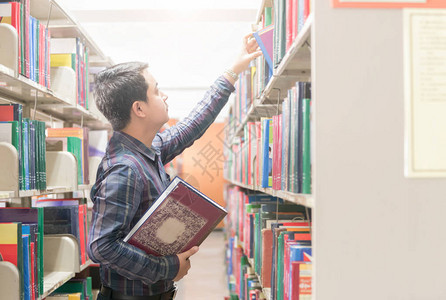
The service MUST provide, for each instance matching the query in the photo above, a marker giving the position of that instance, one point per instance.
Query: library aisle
(206, 278)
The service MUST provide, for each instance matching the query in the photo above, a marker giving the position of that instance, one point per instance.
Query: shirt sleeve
(116, 200)
(174, 140)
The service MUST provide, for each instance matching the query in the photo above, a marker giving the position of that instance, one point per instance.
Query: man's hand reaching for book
(185, 262)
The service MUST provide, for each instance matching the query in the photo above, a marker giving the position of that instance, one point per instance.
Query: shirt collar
(134, 144)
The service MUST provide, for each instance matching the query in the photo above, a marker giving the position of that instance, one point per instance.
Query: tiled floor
(206, 279)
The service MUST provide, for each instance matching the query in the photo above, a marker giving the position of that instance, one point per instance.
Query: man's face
(156, 102)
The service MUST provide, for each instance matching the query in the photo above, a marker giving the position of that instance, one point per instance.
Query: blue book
(263, 198)
(26, 267)
(267, 171)
(32, 231)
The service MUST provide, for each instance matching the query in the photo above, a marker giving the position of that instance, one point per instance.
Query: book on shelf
(267, 152)
(82, 134)
(294, 252)
(71, 144)
(81, 286)
(13, 113)
(27, 285)
(10, 13)
(34, 218)
(306, 139)
(66, 220)
(11, 247)
(264, 38)
(67, 296)
(32, 231)
(301, 280)
(181, 217)
(26, 136)
(63, 76)
(77, 49)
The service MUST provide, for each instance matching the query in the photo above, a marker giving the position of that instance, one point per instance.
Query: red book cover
(41, 53)
(25, 43)
(306, 9)
(48, 55)
(301, 278)
(82, 233)
(249, 126)
(294, 293)
(19, 32)
(289, 23)
(259, 146)
(243, 160)
(267, 252)
(33, 275)
(286, 268)
(246, 234)
(294, 18)
(276, 165)
(6, 113)
(241, 204)
(181, 217)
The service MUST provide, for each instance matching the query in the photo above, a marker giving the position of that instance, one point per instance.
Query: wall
(378, 235)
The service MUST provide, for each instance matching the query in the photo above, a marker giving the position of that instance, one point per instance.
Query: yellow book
(76, 296)
(8, 233)
(63, 60)
(71, 296)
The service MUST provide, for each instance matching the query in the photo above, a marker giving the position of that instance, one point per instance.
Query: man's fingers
(192, 251)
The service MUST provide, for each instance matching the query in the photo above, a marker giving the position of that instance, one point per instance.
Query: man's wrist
(232, 74)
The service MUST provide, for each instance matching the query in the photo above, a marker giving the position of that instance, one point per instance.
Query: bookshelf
(61, 252)
(296, 65)
(61, 261)
(369, 219)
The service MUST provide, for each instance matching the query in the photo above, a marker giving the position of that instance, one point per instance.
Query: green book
(72, 287)
(306, 143)
(267, 16)
(74, 145)
(280, 265)
(257, 243)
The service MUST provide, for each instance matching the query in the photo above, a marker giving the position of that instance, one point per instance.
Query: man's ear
(138, 109)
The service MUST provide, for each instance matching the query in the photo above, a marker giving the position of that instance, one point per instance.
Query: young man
(131, 175)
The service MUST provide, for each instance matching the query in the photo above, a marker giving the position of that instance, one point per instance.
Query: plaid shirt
(129, 179)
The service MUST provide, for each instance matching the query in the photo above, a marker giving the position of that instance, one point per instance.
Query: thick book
(181, 217)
